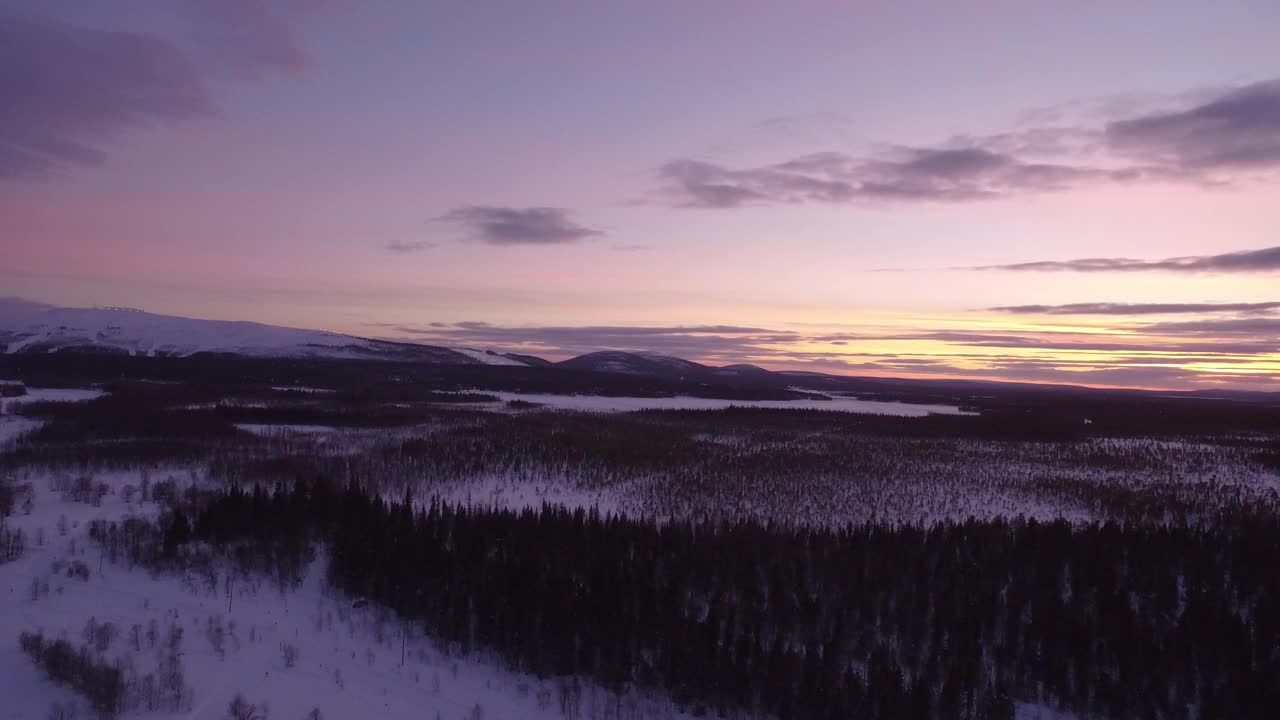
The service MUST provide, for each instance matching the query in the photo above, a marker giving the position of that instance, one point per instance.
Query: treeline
(267, 533)
(1011, 411)
(379, 379)
(101, 683)
(13, 542)
(956, 621)
(790, 467)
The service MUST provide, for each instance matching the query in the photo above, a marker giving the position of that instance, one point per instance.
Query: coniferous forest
(744, 620)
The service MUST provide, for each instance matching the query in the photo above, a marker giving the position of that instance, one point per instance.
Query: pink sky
(807, 170)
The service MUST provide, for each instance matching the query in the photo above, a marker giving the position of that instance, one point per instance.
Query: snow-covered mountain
(34, 328)
(642, 363)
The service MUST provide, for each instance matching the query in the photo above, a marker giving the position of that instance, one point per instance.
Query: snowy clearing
(268, 429)
(288, 652)
(36, 394)
(12, 426)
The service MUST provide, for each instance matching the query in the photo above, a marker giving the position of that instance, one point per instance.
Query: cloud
(1112, 308)
(409, 246)
(1246, 261)
(1212, 139)
(1143, 339)
(1212, 353)
(519, 226)
(901, 174)
(1264, 327)
(727, 342)
(69, 90)
(255, 35)
(1239, 129)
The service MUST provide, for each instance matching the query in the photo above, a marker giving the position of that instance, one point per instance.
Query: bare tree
(290, 653)
(240, 709)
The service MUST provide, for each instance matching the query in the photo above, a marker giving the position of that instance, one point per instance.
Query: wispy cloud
(1246, 261)
(697, 342)
(254, 35)
(1213, 140)
(1266, 327)
(901, 174)
(67, 91)
(1117, 308)
(519, 226)
(412, 246)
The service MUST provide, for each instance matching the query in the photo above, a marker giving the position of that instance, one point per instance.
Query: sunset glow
(1082, 193)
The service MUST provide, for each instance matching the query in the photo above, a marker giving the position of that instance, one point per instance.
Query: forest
(955, 620)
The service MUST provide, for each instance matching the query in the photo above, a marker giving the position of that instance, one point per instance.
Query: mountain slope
(33, 329)
(652, 364)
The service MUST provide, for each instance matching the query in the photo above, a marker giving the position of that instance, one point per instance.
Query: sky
(1084, 192)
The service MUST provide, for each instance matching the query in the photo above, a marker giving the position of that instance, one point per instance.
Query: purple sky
(1049, 191)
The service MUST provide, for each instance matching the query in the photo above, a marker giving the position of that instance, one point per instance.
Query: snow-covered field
(11, 426)
(36, 394)
(348, 660)
(268, 429)
(599, 403)
(36, 328)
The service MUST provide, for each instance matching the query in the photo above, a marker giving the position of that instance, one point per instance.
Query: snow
(488, 358)
(349, 660)
(668, 360)
(1031, 711)
(12, 426)
(597, 403)
(34, 394)
(30, 328)
(270, 429)
(141, 333)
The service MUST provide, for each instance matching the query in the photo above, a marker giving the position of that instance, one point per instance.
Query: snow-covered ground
(11, 425)
(270, 429)
(349, 661)
(599, 403)
(36, 394)
(488, 358)
(36, 328)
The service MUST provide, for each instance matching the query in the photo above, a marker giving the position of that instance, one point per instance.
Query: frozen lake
(598, 403)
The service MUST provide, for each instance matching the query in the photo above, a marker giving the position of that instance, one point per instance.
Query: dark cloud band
(1247, 261)
(1233, 135)
(1105, 308)
(518, 226)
